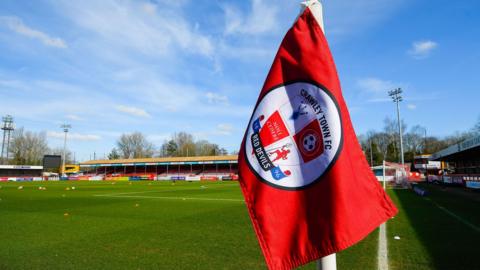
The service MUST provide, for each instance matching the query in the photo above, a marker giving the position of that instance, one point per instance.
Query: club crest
(294, 136)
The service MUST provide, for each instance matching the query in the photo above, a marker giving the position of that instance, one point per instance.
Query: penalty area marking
(382, 248)
(170, 198)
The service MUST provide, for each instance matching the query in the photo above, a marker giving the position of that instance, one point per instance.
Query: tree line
(384, 144)
(28, 148)
(181, 144)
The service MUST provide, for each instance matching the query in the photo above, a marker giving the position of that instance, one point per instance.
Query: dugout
(461, 162)
(20, 171)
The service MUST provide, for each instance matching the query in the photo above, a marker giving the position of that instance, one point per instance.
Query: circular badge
(294, 136)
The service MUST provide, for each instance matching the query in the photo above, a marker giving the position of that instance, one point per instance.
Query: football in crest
(309, 142)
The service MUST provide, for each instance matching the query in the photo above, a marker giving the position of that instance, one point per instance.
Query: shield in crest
(309, 141)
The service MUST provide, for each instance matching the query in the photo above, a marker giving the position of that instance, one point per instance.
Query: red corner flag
(306, 182)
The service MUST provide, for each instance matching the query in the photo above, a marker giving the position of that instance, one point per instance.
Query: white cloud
(48, 101)
(411, 106)
(376, 90)
(353, 17)
(161, 94)
(149, 8)
(247, 52)
(73, 136)
(375, 85)
(7, 85)
(16, 24)
(158, 138)
(74, 117)
(214, 98)
(261, 19)
(224, 129)
(133, 111)
(139, 26)
(422, 49)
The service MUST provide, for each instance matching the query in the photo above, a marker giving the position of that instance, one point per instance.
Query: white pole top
(317, 10)
(327, 263)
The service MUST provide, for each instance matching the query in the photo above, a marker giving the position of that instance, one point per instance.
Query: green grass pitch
(160, 225)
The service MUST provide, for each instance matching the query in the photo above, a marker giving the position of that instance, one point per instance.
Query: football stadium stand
(20, 173)
(460, 164)
(169, 168)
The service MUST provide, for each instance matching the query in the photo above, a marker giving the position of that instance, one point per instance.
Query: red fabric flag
(308, 187)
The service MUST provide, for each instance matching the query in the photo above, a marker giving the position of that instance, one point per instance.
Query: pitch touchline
(170, 198)
(382, 248)
(462, 220)
(159, 191)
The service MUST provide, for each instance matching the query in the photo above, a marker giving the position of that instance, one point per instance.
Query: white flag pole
(384, 180)
(328, 262)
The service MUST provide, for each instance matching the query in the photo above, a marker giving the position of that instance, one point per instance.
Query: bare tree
(183, 144)
(369, 144)
(391, 129)
(205, 148)
(114, 154)
(363, 141)
(476, 127)
(134, 145)
(415, 140)
(28, 147)
(382, 140)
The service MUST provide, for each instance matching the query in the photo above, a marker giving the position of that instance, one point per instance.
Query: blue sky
(112, 67)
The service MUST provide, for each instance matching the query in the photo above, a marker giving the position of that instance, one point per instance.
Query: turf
(122, 232)
(157, 225)
(430, 237)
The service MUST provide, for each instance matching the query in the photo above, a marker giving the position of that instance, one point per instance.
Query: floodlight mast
(65, 130)
(396, 97)
(7, 128)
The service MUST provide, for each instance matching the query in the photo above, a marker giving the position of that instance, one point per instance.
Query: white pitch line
(382, 248)
(457, 217)
(163, 191)
(126, 193)
(171, 198)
